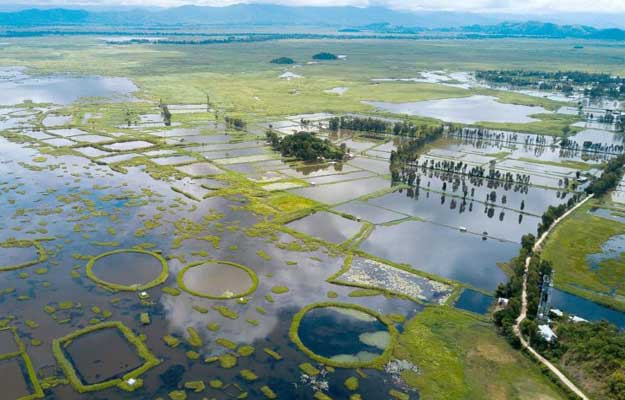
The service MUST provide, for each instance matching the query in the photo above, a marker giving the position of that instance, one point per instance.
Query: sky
(498, 6)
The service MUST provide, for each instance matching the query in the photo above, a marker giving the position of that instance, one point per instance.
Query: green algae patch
(194, 338)
(228, 344)
(196, 386)
(274, 354)
(248, 375)
(129, 288)
(246, 350)
(21, 244)
(178, 395)
(226, 312)
(377, 362)
(309, 369)
(226, 295)
(270, 394)
(321, 396)
(171, 291)
(364, 293)
(279, 289)
(192, 355)
(171, 341)
(129, 382)
(200, 309)
(145, 318)
(227, 361)
(216, 384)
(396, 394)
(263, 255)
(351, 383)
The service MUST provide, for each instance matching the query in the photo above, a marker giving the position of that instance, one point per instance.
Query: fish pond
(157, 262)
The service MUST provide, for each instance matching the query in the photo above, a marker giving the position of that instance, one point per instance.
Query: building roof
(547, 333)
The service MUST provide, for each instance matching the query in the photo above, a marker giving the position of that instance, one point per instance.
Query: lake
(469, 110)
(19, 87)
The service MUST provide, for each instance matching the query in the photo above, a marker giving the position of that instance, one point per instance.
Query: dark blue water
(328, 332)
(474, 301)
(585, 308)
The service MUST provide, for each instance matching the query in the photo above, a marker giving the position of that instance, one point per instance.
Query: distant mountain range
(243, 14)
(344, 19)
(507, 29)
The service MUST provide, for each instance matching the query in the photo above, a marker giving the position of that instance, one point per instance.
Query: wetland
(141, 260)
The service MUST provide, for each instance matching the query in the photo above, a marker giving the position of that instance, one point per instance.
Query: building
(547, 333)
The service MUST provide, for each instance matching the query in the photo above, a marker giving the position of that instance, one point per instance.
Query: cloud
(502, 6)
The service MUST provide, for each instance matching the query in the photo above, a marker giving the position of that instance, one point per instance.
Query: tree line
(377, 125)
(595, 85)
(610, 177)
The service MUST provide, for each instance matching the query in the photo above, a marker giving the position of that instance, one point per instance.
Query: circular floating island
(218, 280)
(344, 335)
(21, 254)
(128, 269)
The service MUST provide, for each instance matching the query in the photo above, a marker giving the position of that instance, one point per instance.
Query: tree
(325, 56)
(305, 146)
(527, 242)
(283, 61)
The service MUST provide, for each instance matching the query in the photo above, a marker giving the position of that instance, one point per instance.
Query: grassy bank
(568, 247)
(462, 357)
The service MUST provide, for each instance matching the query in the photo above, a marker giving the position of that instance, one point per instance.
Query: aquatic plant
(351, 383)
(73, 376)
(225, 296)
(43, 255)
(377, 362)
(21, 354)
(248, 375)
(273, 354)
(130, 288)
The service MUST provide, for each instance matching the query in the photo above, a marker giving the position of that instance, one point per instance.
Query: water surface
(468, 110)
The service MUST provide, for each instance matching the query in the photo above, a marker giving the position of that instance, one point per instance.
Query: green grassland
(241, 80)
(568, 247)
(461, 357)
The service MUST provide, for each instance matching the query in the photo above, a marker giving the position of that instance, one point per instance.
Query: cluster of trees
(505, 137)
(461, 205)
(236, 123)
(283, 61)
(306, 146)
(589, 146)
(474, 172)
(165, 113)
(130, 117)
(610, 177)
(598, 349)
(406, 152)
(595, 85)
(325, 56)
(512, 290)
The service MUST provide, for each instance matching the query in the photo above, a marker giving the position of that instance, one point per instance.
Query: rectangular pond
(443, 251)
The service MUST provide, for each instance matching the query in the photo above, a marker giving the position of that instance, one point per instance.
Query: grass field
(568, 247)
(461, 357)
(240, 79)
